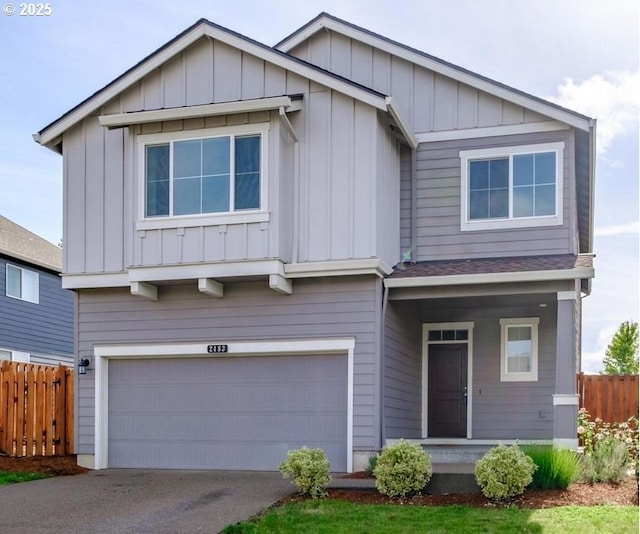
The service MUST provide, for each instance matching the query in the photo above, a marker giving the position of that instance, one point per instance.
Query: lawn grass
(335, 517)
(11, 478)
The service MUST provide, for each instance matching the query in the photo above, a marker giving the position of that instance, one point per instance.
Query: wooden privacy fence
(612, 398)
(36, 409)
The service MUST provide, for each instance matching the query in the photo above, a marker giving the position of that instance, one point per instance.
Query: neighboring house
(36, 314)
(335, 242)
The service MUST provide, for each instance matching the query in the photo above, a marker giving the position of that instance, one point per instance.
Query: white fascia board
(396, 115)
(118, 120)
(491, 131)
(449, 71)
(301, 36)
(46, 136)
(86, 281)
(491, 278)
(337, 268)
(206, 270)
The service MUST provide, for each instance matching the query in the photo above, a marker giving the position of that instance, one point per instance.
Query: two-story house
(334, 242)
(36, 313)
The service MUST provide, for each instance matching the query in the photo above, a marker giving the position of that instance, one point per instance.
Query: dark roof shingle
(492, 265)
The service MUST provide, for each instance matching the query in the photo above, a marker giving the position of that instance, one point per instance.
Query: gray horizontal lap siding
(438, 205)
(45, 329)
(318, 308)
(507, 410)
(402, 372)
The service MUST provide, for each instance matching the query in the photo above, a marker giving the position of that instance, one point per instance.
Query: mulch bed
(577, 494)
(49, 465)
(580, 494)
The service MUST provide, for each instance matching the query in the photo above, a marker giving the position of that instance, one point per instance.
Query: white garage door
(226, 413)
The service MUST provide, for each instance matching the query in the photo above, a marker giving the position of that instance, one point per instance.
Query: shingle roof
(18, 242)
(519, 264)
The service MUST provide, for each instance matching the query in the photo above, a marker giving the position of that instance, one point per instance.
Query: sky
(582, 54)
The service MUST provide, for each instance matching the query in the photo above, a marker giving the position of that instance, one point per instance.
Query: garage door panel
(226, 413)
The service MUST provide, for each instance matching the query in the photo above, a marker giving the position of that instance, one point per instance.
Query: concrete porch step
(456, 454)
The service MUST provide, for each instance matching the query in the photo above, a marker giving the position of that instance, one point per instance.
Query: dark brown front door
(447, 391)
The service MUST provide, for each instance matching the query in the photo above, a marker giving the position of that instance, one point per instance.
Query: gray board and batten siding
(430, 101)
(346, 157)
(45, 329)
(318, 308)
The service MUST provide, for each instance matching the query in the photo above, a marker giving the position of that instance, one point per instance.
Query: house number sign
(217, 349)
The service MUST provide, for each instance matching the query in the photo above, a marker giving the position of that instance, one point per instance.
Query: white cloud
(618, 229)
(611, 98)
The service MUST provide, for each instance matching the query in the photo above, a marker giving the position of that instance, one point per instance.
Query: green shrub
(556, 468)
(371, 464)
(309, 469)
(402, 469)
(591, 433)
(504, 472)
(608, 461)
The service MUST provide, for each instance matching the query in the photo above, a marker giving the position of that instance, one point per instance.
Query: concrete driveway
(141, 501)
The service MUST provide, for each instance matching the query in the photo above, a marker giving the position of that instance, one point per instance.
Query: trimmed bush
(402, 469)
(556, 468)
(504, 472)
(608, 462)
(309, 469)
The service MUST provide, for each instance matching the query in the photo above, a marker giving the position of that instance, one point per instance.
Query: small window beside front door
(519, 350)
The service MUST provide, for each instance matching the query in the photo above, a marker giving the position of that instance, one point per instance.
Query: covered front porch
(476, 359)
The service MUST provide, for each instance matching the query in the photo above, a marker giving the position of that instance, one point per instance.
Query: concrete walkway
(138, 501)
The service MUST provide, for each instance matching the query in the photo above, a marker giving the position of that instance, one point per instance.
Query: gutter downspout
(414, 204)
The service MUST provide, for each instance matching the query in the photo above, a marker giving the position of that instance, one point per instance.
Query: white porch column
(565, 399)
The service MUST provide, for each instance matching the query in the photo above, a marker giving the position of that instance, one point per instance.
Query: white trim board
(491, 278)
(491, 131)
(301, 347)
(337, 268)
(118, 120)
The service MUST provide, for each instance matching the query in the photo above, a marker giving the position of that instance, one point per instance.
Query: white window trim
(512, 222)
(426, 328)
(531, 376)
(203, 219)
(22, 271)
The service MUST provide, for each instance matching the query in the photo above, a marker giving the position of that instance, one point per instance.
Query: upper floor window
(512, 187)
(219, 172)
(23, 284)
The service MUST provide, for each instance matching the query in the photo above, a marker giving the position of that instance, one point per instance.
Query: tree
(621, 357)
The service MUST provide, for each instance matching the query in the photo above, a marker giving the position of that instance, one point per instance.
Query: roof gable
(325, 21)
(50, 134)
